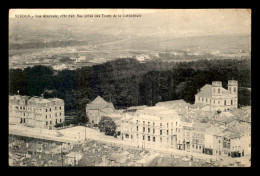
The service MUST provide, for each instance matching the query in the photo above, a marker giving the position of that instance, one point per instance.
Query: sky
(176, 22)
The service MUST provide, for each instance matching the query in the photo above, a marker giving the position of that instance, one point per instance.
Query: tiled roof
(172, 104)
(99, 103)
(231, 135)
(205, 91)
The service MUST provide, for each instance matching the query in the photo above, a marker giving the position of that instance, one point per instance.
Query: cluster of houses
(213, 125)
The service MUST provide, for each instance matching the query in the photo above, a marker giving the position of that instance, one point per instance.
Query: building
(72, 159)
(36, 111)
(194, 137)
(98, 108)
(210, 136)
(18, 109)
(217, 97)
(152, 127)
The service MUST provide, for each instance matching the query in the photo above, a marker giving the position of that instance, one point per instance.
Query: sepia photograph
(129, 87)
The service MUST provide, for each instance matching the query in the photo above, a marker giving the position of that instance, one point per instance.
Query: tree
(82, 117)
(107, 125)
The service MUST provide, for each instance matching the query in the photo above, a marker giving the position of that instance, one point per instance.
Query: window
(148, 138)
(176, 123)
(153, 139)
(160, 132)
(137, 128)
(167, 132)
(50, 122)
(143, 129)
(167, 125)
(60, 107)
(50, 109)
(160, 140)
(231, 102)
(148, 123)
(143, 122)
(235, 90)
(136, 121)
(46, 116)
(60, 113)
(46, 110)
(148, 130)
(225, 102)
(46, 123)
(153, 131)
(153, 124)
(143, 137)
(56, 121)
(60, 120)
(160, 124)
(219, 90)
(171, 131)
(55, 108)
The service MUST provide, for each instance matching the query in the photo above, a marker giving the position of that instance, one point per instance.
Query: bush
(107, 125)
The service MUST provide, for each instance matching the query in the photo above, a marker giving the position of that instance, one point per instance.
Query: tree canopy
(127, 82)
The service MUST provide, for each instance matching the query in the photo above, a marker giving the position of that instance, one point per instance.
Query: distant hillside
(222, 43)
(121, 34)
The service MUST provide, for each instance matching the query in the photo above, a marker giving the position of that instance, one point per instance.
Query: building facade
(36, 111)
(217, 97)
(98, 108)
(152, 127)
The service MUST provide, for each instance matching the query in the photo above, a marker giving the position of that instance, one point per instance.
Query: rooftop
(99, 103)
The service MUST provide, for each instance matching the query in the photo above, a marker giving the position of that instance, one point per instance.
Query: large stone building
(36, 111)
(152, 127)
(98, 108)
(217, 97)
